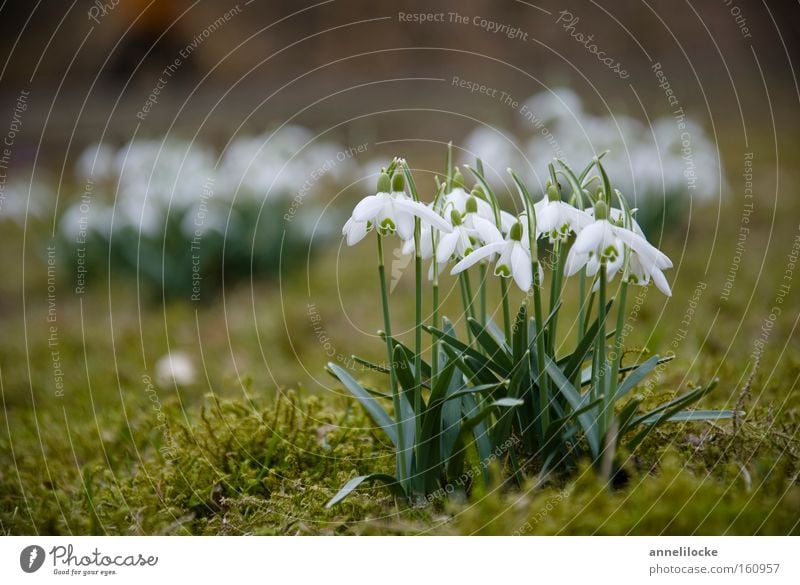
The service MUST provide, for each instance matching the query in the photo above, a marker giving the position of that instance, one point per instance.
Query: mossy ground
(237, 452)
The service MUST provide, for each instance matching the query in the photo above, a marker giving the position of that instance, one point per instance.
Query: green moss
(672, 500)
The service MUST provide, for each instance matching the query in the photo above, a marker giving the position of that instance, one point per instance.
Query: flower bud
(472, 204)
(455, 217)
(458, 179)
(398, 182)
(600, 210)
(516, 232)
(384, 183)
(553, 193)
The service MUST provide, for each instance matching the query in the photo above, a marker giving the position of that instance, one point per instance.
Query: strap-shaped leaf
(498, 333)
(665, 412)
(471, 390)
(348, 488)
(519, 336)
(405, 373)
(465, 349)
(573, 182)
(490, 344)
(426, 367)
(586, 373)
(369, 402)
(576, 359)
(577, 401)
(370, 365)
(679, 403)
(637, 375)
(429, 447)
(474, 422)
(697, 415)
(451, 415)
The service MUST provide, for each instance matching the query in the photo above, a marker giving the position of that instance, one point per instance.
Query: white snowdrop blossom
(390, 210)
(427, 235)
(470, 230)
(602, 242)
(640, 272)
(556, 219)
(514, 261)
(458, 197)
(457, 243)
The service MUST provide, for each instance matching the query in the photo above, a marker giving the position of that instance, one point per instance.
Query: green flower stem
(544, 394)
(482, 292)
(581, 316)
(555, 294)
(506, 311)
(588, 312)
(615, 363)
(468, 289)
(418, 330)
(600, 350)
(435, 319)
(387, 327)
(465, 301)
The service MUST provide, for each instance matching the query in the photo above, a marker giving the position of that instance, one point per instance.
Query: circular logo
(31, 558)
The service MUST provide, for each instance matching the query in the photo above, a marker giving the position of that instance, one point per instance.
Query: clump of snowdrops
(509, 390)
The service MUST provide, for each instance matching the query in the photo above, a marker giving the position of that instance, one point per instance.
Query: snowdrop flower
(458, 197)
(556, 219)
(469, 231)
(390, 211)
(602, 242)
(641, 271)
(457, 243)
(485, 228)
(514, 260)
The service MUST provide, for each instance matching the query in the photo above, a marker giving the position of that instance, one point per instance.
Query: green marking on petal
(387, 227)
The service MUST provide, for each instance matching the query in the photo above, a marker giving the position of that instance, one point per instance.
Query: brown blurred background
(274, 59)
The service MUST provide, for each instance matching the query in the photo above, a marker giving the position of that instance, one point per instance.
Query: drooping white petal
(485, 228)
(478, 255)
(408, 246)
(645, 249)
(404, 223)
(369, 207)
(578, 219)
(521, 267)
(547, 218)
(592, 265)
(456, 199)
(590, 238)
(447, 246)
(613, 266)
(575, 261)
(661, 282)
(503, 265)
(355, 231)
(423, 212)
